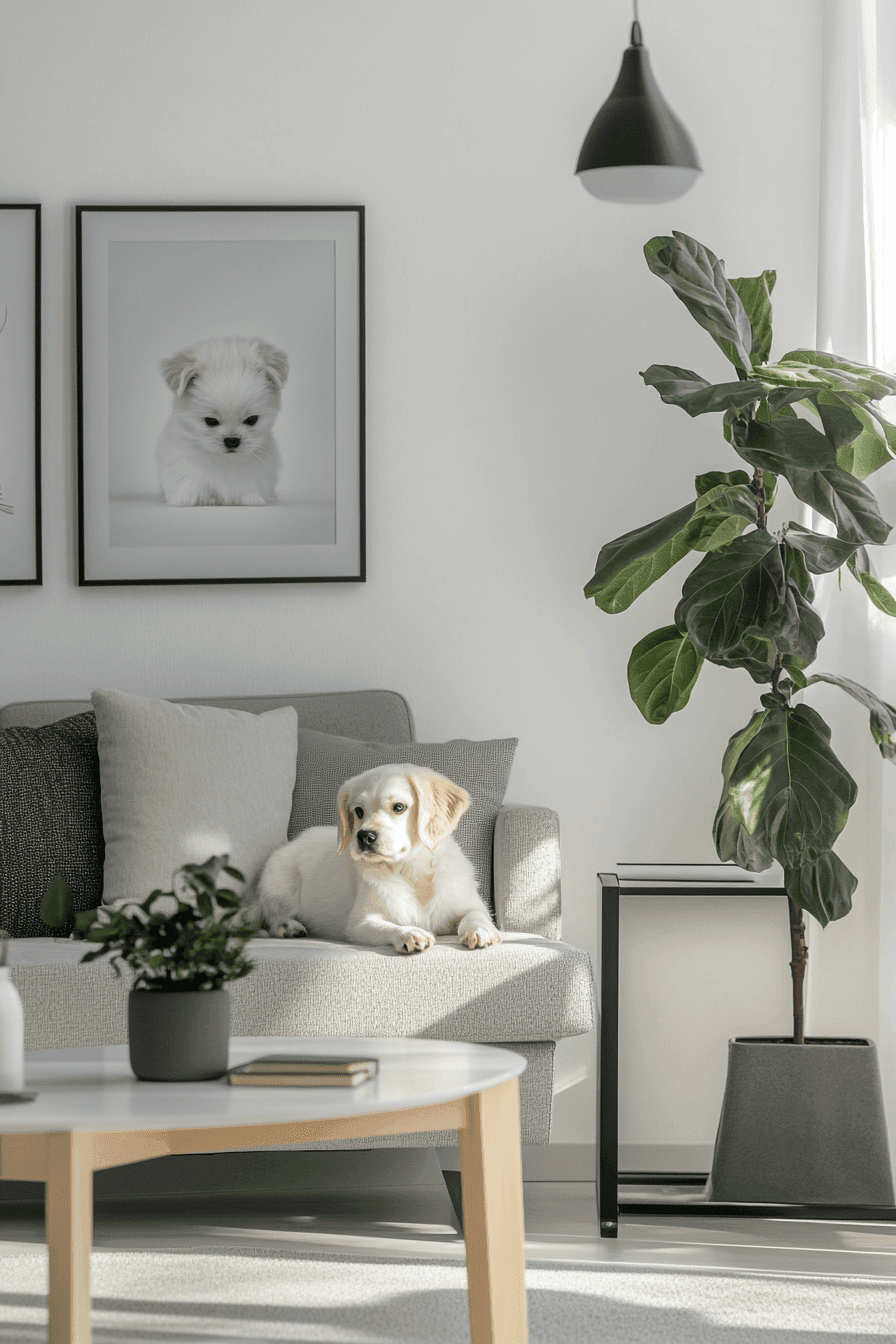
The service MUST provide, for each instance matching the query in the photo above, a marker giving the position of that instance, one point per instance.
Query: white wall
(509, 434)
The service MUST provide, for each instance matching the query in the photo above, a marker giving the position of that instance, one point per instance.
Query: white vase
(12, 1036)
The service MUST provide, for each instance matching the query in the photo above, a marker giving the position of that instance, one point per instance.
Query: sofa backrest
(373, 716)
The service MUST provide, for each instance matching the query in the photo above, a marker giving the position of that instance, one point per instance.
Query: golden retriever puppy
(391, 872)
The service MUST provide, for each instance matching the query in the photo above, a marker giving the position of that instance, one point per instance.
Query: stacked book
(303, 1071)
(697, 875)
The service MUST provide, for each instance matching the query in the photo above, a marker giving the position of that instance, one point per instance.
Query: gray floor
(413, 1215)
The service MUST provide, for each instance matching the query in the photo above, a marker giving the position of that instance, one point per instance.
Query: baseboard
(576, 1161)
(696, 1157)
(543, 1162)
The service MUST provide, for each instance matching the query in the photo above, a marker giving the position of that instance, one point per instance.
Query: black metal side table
(610, 1178)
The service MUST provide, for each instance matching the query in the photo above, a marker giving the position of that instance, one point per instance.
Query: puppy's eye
(359, 813)
(251, 420)
(399, 807)
(210, 420)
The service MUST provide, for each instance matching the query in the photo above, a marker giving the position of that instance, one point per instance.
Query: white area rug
(221, 1295)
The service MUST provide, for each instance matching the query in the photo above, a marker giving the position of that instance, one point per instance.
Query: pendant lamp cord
(636, 39)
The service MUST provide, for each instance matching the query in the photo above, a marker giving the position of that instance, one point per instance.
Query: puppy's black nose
(366, 839)
(231, 444)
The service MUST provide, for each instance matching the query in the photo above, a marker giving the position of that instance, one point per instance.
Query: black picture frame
(179, 284)
(21, 549)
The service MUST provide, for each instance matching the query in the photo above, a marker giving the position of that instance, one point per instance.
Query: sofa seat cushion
(525, 989)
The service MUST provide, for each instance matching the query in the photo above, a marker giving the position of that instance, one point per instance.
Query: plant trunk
(799, 960)
(758, 488)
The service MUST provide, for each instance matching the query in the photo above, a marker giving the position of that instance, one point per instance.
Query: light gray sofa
(526, 994)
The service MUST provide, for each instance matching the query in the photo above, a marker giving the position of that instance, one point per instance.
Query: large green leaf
(725, 506)
(815, 369)
(755, 295)
(733, 500)
(682, 387)
(867, 452)
(823, 886)
(822, 554)
(861, 446)
(838, 421)
(882, 715)
(733, 842)
(881, 597)
(699, 280)
(874, 420)
(795, 449)
(783, 399)
(732, 594)
(798, 637)
(628, 566)
(710, 479)
(662, 672)
(874, 445)
(787, 788)
(712, 531)
(840, 497)
(749, 602)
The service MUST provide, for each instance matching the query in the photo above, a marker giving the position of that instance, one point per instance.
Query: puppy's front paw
(480, 937)
(290, 928)
(254, 499)
(412, 940)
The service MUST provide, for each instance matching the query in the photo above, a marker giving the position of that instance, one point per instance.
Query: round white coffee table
(92, 1113)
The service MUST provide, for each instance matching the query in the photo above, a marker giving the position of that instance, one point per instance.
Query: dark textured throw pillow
(50, 821)
(325, 762)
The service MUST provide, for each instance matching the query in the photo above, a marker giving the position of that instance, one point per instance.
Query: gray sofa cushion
(524, 989)
(50, 820)
(325, 762)
(181, 783)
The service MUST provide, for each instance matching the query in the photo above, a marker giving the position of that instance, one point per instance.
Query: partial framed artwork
(220, 394)
(20, 537)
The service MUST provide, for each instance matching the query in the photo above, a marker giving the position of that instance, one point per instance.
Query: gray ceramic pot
(178, 1037)
(802, 1124)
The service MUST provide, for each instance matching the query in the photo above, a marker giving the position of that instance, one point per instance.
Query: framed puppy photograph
(20, 539)
(220, 394)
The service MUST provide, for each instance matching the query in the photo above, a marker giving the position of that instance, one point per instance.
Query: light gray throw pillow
(326, 761)
(179, 783)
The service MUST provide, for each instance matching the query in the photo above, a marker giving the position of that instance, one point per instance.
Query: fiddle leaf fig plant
(815, 420)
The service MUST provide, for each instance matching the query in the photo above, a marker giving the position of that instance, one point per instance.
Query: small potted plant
(813, 1107)
(183, 947)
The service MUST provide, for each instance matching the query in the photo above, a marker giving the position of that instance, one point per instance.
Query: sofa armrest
(527, 870)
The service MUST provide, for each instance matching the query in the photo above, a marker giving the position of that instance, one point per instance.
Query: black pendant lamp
(636, 150)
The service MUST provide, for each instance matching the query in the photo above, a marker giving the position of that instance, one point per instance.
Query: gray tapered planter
(802, 1124)
(181, 1036)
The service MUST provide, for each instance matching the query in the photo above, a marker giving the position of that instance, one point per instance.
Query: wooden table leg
(492, 1185)
(69, 1234)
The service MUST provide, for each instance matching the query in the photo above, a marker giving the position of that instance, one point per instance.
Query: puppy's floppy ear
(440, 805)
(274, 362)
(180, 370)
(345, 818)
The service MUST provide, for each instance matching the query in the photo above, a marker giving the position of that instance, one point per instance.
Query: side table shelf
(609, 1177)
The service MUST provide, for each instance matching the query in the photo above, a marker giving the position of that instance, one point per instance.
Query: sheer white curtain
(857, 318)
